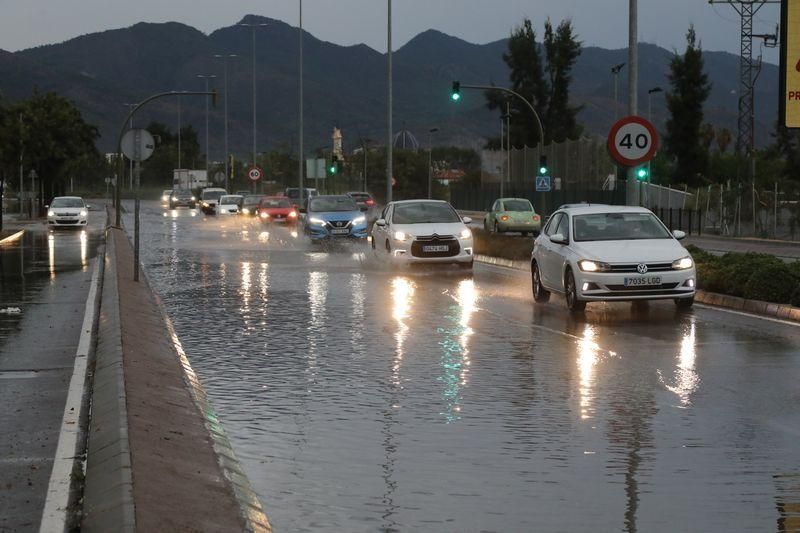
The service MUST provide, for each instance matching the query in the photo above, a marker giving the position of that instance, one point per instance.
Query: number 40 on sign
(632, 141)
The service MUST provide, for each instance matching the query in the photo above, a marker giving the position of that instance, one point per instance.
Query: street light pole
(253, 28)
(301, 156)
(650, 94)
(179, 131)
(130, 126)
(615, 72)
(389, 169)
(205, 78)
(430, 161)
(631, 195)
(225, 71)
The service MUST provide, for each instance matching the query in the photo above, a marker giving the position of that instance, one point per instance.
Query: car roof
(592, 209)
(425, 200)
(68, 197)
(506, 199)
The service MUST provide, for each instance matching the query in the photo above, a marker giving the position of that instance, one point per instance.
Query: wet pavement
(359, 399)
(44, 283)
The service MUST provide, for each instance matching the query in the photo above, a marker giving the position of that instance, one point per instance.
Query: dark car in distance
(182, 199)
(363, 200)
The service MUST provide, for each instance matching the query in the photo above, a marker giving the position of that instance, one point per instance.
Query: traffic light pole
(513, 93)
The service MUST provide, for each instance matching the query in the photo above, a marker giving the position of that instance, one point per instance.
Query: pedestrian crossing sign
(542, 183)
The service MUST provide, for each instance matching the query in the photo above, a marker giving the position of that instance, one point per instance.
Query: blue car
(334, 217)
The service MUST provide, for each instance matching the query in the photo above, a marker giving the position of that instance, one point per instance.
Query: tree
(690, 89)
(157, 171)
(724, 139)
(548, 94)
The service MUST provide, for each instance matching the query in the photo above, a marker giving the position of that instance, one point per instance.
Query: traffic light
(642, 174)
(543, 170)
(334, 167)
(455, 93)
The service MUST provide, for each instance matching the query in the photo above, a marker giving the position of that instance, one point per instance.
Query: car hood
(62, 210)
(229, 206)
(280, 211)
(438, 228)
(336, 216)
(631, 251)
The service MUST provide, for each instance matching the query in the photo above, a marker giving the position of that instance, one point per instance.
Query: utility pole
(21, 152)
(253, 28)
(206, 77)
(130, 126)
(508, 141)
(301, 161)
(502, 149)
(227, 155)
(389, 169)
(179, 130)
(631, 185)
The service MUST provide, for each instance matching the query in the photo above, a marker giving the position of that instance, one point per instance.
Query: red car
(277, 209)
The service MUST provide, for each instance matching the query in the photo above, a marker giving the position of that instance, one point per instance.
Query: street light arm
(513, 93)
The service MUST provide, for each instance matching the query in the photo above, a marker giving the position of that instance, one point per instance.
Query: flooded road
(359, 399)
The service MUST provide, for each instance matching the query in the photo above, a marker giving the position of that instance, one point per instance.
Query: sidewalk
(176, 476)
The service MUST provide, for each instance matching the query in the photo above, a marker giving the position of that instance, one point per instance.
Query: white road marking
(748, 315)
(54, 515)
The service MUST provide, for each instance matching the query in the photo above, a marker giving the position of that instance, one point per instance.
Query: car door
(379, 234)
(559, 253)
(545, 256)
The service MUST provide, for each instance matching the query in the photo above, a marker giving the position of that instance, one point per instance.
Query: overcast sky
(27, 23)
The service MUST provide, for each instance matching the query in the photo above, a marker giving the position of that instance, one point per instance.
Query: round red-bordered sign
(632, 141)
(255, 173)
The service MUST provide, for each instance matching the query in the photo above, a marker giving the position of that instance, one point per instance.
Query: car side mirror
(380, 222)
(557, 238)
(88, 206)
(467, 220)
(303, 210)
(678, 234)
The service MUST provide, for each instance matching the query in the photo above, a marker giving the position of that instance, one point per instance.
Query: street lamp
(225, 70)
(253, 27)
(389, 169)
(650, 93)
(615, 72)
(206, 77)
(130, 126)
(300, 162)
(430, 161)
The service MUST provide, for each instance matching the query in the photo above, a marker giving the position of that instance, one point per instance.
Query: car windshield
(212, 195)
(230, 199)
(618, 227)
(275, 202)
(424, 213)
(67, 202)
(252, 200)
(323, 204)
(359, 196)
(182, 194)
(167, 192)
(518, 205)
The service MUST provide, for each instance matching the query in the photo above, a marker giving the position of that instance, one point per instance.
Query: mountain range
(345, 86)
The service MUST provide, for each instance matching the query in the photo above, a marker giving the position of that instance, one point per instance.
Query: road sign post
(790, 64)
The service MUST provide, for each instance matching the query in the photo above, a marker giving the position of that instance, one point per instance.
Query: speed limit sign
(255, 173)
(632, 141)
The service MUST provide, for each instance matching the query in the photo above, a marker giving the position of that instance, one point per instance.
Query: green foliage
(699, 255)
(549, 95)
(157, 171)
(737, 269)
(771, 283)
(689, 90)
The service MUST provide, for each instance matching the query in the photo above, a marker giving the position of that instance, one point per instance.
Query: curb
(12, 237)
(756, 307)
(108, 494)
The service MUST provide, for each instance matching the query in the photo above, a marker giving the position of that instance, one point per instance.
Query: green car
(512, 214)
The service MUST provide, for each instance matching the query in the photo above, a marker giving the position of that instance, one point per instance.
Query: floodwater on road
(362, 399)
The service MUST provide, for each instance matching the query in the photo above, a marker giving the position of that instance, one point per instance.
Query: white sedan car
(422, 231)
(604, 253)
(67, 211)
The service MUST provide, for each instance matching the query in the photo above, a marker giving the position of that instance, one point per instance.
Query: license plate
(643, 281)
(343, 231)
(435, 248)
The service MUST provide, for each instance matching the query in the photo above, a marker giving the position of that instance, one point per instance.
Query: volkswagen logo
(641, 268)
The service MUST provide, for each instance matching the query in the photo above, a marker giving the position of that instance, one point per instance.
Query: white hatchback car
(604, 253)
(230, 204)
(67, 211)
(422, 231)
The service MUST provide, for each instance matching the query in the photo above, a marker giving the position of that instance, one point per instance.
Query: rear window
(360, 197)
(518, 205)
(212, 195)
(231, 199)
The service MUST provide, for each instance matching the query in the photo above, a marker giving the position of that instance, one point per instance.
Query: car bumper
(273, 220)
(228, 211)
(67, 221)
(517, 226)
(318, 233)
(601, 286)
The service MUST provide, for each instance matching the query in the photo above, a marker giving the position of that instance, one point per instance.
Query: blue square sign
(542, 183)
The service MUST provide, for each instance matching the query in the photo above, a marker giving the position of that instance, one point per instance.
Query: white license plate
(435, 248)
(644, 281)
(343, 231)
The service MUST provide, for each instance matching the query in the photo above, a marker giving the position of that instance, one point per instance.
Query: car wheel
(571, 293)
(684, 303)
(540, 294)
(388, 247)
(373, 242)
(496, 229)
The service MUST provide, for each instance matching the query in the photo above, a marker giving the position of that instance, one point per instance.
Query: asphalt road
(360, 399)
(44, 283)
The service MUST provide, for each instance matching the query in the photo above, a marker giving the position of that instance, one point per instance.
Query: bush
(700, 256)
(737, 269)
(772, 283)
(710, 277)
(795, 301)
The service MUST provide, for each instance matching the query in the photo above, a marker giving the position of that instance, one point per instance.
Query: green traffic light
(332, 170)
(641, 173)
(456, 97)
(542, 170)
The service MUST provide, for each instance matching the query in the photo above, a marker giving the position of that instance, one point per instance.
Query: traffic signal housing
(455, 93)
(543, 170)
(334, 166)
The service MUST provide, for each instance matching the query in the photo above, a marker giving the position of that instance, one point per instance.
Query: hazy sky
(26, 23)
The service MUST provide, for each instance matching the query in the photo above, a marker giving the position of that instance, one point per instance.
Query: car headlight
(293, 214)
(84, 213)
(683, 263)
(264, 214)
(51, 213)
(164, 198)
(194, 199)
(400, 236)
(205, 204)
(466, 233)
(245, 211)
(593, 266)
(359, 220)
(318, 221)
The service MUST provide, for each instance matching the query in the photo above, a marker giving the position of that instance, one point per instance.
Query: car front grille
(453, 248)
(632, 267)
(339, 224)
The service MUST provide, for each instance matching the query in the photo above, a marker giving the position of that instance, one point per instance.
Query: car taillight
(504, 218)
(370, 202)
(536, 218)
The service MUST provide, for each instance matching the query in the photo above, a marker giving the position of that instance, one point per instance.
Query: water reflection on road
(360, 399)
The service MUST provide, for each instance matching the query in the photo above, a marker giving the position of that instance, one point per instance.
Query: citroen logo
(641, 268)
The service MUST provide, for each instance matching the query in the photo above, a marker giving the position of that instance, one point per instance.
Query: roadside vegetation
(748, 275)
